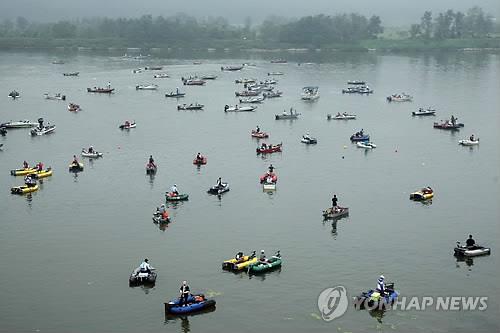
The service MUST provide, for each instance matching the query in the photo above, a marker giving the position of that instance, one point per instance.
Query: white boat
(160, 76)
(208, 77)
(269, 186)
(308, 140)
(146, 87)
(471, 251)
(19, 124)
(366, 145)
(399, 98)
(94, 154)
(238, 108)
(272, 94)
(341, 116)
(275, 73)
(469, 142)
(245, 81)
(310, 93)
(128, 125)
(57, 97)
(37, 131)
(258, 99)
(427, 112)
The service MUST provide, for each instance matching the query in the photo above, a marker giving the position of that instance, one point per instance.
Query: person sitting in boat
(174, 191)
(262, 256)
(145, 267)
(127, 123)
(25, 165)
(75, 161)
(470, 242)
(338, 114)
(151, 160)
(30, 180)
(471, 138)
(39, 166)
(334, 201)
(453, 120)
(239, 256)
(199, 158)
(219, 183)
(184, 293)
(91, 150)
(381, 285)
(257, 129)
(307, 136)
(271, 169)
(263, 146)
(427, 190)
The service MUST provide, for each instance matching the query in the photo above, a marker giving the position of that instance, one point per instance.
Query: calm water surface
(68, 249)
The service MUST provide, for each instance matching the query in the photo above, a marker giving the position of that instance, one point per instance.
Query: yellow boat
(44, 173)
(22, 172)
(423, 194)
(23, 189)
(237, 265)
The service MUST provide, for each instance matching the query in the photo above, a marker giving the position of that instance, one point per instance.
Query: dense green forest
(319, 31)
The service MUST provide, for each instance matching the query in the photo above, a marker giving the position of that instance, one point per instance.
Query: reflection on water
(263, 276)
(468, 261)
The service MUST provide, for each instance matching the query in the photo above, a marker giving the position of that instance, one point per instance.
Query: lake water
(68, 249)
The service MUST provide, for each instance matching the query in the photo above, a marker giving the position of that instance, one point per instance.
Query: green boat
(261, 267)
(172, 197)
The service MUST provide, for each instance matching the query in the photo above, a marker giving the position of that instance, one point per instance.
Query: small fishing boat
(469, 142)
(218, 190)
(42, 174)
(71, 74)
(292, 114)
(231, 68)
(278, 61)
(160, 76)
(262, 266)
(423, 194)
(72, 107)
(238, 108)
(14, 94)
(191, 106)
(76, 167)
(176, 94)
(366, 145)
(23, 189)
(161, 218)
(238, 265)
(146, 87)
(259, 135)
(153, 68)
(358, 90)
(247, 93)
(310, 93)
(196, 303)
(245, 81)
(57, 97)
(470, 251)
(356, 82)
(424, 112)
(272, 94)
(200, 161)
(127, 125)
(341, 116)
(208, 77)
(93, 154)
(448, 125)
(169, 196)
(374, 300)
(252, 100)
(308, 140)
(138, 278)
(335, 212)
(151, 168)
(399, 98)
(100, 90)
(19, 124)
(37, 131)
(360, 136)
(269, 149)
(268, 181)
(275, 73)
(194, 82)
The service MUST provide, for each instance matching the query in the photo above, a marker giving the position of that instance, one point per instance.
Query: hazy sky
(392, 12)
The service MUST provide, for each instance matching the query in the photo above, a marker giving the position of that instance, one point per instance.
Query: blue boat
(374, 301)
(356, 138)
(195, 304)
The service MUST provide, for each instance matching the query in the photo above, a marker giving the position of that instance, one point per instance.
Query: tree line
(308, 31)
(450, 25)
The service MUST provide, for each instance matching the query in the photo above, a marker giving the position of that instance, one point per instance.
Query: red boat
(259, 135)
(272, 175)
(201, 161)
(268, 149)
